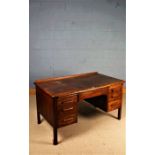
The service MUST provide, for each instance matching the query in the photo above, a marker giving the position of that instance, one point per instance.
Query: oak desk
(57, 98)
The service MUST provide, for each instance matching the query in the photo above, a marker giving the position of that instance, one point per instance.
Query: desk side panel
(45, 105)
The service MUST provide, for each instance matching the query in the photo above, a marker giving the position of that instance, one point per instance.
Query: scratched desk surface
(81, 82)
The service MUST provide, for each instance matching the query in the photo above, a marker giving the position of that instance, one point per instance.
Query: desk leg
(119, 113)
(55, 135)
(38, 118)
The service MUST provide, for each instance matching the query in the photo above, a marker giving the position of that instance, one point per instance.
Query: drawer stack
(67, 110)
(114, 97)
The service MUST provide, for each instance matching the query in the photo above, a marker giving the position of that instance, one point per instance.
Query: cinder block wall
(75, 36)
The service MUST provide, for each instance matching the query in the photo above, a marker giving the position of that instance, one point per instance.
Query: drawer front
(67, 120)
(115, 92)
(67, 99)
(67, 104)
(67, 110)
(114, 105)
(93, 93)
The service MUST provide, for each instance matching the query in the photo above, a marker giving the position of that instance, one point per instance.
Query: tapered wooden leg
(38, 118)
(55, 134)
(119, 113)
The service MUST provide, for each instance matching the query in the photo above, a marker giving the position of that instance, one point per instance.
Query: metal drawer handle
(68, 119)
(71, 108)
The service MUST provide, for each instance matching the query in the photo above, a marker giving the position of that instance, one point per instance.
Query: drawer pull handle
(69, 101)
(71, 108)
(68, 119)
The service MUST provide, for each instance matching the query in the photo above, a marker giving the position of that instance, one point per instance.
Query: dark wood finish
(67, 110)
(115, 92)
(55, 135)
(55, 117)
(38, 118)
(57, 98)
(119, 113)
(75, 84)
(44, 106)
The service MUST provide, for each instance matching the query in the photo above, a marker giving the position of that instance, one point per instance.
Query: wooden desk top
(75, 83)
